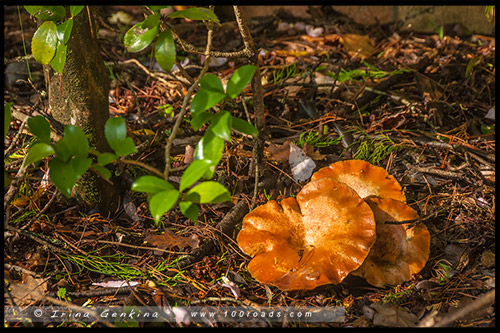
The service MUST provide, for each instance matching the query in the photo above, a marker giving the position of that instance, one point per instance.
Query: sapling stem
(183, 111)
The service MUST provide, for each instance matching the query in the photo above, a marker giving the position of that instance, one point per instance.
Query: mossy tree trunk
(80, 97)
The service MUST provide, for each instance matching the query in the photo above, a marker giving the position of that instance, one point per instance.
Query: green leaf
(196, 13)
(157, 8)
(194, 172)
(189, 210)
(64, 31)
(221, 125)
(165, 50)
(80, 165)
(57, 63)
(47, 13)
(40, 127)
(151, 22)
(126, 147)
(62, 150)
(38, 152)
(104, 172)
(44, 43)
(76, 141)
(200, 118)
(75, 10)
(244, 127)
(151, 184)
(106, 158)
(473, 62)
(33, 9)
(7, 114)
(115, 131)
(211, 92)
(162, 202)
(208, 192)
(137, 38)
(62, 175)
(239, 80)
(210, 147)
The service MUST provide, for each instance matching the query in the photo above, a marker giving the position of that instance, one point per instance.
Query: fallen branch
(226, 226)
(480, 303)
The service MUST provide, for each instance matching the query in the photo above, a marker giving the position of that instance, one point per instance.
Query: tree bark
(80, 97)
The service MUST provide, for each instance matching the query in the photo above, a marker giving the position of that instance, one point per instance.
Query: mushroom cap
(316, 239)
(398, 252)
(366, 179)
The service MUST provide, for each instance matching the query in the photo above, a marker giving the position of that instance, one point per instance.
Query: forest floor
(419, 105)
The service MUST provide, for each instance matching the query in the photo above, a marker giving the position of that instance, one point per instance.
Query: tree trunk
(80, 97)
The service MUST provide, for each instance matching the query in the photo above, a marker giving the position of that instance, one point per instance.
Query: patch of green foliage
(373, 150)
(371, 73)
(316, 139)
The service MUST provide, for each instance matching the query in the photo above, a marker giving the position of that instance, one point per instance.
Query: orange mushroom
(366, 179)
(310, 241)
(398, 252)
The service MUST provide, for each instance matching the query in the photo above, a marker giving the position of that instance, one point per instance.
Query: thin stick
(183, 111)
(142, 165)
(482, 302)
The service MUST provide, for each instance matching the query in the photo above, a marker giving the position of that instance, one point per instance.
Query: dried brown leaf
(391, 315)
(358, 45)
(313, 153)
(27, 291)
(279, 153)
(168, 239)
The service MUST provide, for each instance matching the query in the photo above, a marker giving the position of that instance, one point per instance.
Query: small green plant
(395, 296)
(284, 73)
(70, 155)
(61, 293)
(443, 272)
(49, 43)
(376, 149)
(364, 74)
(316, 140)
(268, 196)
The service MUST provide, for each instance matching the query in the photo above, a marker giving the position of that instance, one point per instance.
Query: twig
(225, 226)
(258, 96)
(482, 302)
(97, 292)
(156, 75)
(13, 145)
(438, 172)
(39, 239)
(190, 48)
(47, 205)
(183, 111)
(22, 270)
(133, 246)
(142, 165)
(14, 186)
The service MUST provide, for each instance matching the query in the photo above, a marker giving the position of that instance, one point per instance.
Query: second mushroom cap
(366, 179)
